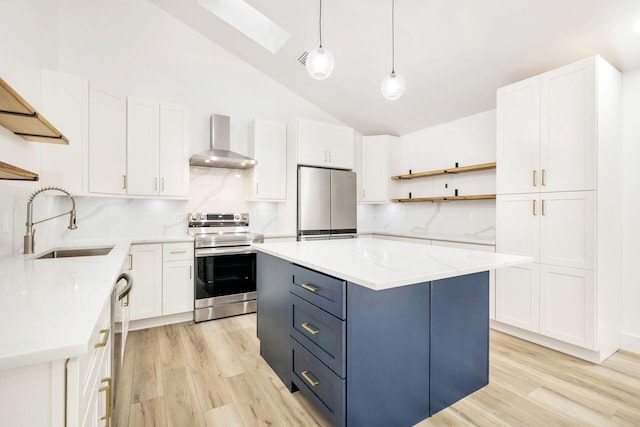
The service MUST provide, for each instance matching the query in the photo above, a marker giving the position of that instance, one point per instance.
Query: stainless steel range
(225, 263)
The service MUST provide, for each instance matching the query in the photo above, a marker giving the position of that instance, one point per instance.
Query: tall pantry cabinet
(559, 151)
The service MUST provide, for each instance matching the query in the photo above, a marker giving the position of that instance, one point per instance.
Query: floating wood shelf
(21, 118)
(445, 198)
(8, 171)
(462, 169)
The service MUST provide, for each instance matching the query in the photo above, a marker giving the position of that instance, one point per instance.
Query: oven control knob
(245, 217)
(236, 217)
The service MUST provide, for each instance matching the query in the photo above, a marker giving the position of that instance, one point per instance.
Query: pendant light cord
(320, 23)
(393, 36)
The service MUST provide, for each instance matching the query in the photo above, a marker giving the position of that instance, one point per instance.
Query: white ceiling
(454, 54)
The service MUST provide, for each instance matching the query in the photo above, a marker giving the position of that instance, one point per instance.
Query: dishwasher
(120, 316)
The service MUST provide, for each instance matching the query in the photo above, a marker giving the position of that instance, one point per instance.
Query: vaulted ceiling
(454, 54)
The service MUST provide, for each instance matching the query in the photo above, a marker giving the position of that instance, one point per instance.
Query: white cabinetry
(177, 278)
(157, 148)
(146, 270)
(268, 179)
(547, 132)
(324, 144)
(107, 141)
(162, 280)
(65, 99)
(380, 160)
(559, 201)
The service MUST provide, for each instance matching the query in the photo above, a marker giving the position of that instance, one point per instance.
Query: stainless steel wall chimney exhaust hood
(220, 155)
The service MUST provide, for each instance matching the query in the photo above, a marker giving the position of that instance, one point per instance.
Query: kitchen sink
(72, 253)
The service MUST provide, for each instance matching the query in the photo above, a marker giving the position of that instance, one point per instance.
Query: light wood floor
(211, 374)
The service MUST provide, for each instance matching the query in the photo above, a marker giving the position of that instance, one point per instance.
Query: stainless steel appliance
(220, 154)
(225, 264)
(326, 203)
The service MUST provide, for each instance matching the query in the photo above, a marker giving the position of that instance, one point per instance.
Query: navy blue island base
(373, 358)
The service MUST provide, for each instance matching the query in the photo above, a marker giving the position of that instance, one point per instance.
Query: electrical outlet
(472, 216)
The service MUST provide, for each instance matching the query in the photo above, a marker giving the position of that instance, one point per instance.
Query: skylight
(249, 22)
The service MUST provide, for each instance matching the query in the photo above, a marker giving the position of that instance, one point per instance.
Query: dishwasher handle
(127, 288)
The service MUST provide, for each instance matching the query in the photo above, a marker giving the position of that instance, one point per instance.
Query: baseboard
(630, 343)
(570, 349)
(153, 322)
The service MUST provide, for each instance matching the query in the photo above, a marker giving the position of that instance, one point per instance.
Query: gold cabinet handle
(190, 272)
(126, 301)
(107, 389)
(535, 178)
(544, 177)
(534, 208)
(130, 262)
(309, 287)
(543, 209)
(162, 185)
(307, 378)
(155, 184)
(105, 338)
(124, 182)
(309, 329)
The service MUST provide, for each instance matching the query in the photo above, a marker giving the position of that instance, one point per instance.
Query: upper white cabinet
(559, 150)
(546, 131)
(157, 148)
(268, 179)
(324, 144)
(65, 99)
(380, 160)
(107, 141)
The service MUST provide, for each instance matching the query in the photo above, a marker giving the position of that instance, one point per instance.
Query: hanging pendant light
(320, 60)
(393, 85)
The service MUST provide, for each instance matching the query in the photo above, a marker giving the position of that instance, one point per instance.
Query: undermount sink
(72, 253)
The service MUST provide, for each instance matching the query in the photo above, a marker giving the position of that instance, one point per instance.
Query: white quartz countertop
(383, 264)
(446, 237)
(49, 307)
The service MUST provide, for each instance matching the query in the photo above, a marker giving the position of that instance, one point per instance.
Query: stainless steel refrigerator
(326, 203)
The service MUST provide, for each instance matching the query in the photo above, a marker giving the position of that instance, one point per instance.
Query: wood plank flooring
(211, 374)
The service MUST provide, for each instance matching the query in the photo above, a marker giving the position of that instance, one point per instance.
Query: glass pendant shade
(320, 63)
(392, 86)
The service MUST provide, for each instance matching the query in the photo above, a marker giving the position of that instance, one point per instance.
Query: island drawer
(323, 334)
(326, 292)
(325, 390)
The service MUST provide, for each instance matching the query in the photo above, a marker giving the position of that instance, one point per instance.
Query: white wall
(631, 211)
(467, 141)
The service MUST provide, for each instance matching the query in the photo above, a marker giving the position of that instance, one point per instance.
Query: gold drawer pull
(309, 329)
(107, 388)
(305, 375)
(309, 287)
(105, 338)
(535, 178)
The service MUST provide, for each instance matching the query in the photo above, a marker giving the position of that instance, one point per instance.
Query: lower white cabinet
(146, 270)
(162, 279)
(518, 296)
(177, 278)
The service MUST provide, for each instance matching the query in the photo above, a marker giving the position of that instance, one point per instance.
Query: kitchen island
(376, 332)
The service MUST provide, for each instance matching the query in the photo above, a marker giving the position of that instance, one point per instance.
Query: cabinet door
(567, 229)
(517, 224)
(518, 296)
(107, 141)
(311, 141)
(145, 298)
(375, 176)
(142, 147)
(567, 305)
(270, 174)
(340, 146)
(64, 102)
(174, 150)
(518, 137)
(568, 149)
(177, 287)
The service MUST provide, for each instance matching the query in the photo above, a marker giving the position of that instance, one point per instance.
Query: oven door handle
(200, 253)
